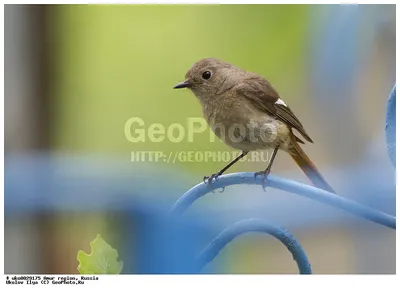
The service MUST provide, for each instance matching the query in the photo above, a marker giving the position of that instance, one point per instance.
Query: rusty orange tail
(308, 167)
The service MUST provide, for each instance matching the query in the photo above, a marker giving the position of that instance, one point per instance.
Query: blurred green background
(122, 61)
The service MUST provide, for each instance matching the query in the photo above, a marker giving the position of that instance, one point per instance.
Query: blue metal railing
(390, 128)
(286, 185)
(251, 225)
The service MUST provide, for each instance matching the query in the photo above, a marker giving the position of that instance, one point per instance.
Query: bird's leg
(208, 179)
(266, 172)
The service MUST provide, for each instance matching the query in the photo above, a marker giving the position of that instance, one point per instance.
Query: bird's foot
(209, 179)
(264, 174)
(264, 177)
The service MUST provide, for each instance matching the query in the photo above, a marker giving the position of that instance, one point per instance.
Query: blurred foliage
(121, 61)
(103, 259)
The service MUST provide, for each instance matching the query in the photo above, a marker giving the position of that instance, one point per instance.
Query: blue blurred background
(75, 74)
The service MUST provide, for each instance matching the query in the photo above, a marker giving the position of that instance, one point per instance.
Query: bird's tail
(308, 167)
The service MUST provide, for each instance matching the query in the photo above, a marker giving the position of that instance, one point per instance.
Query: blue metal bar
(251, 225)
(286, 185)
(390, 128)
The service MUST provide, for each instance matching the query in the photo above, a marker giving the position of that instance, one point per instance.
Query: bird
(245, 111)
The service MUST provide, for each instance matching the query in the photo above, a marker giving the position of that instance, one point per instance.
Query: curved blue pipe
(286, 185)
(258, 225)
(390, 128)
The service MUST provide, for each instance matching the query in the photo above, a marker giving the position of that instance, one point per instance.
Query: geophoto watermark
(254, 131)
(196, 156)
(137, 131)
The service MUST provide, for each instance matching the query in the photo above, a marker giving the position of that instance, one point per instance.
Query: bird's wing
(260, 93)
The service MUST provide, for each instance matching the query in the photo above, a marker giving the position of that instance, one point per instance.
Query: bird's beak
(184, 84)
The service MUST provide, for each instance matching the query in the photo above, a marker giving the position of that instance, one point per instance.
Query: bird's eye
(206, 75)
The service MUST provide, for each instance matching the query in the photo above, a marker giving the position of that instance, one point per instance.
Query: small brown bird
(246, 112)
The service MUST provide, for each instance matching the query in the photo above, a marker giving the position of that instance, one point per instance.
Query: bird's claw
(264, 178)
(256, 174)
(263, 174)
(209, 179)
